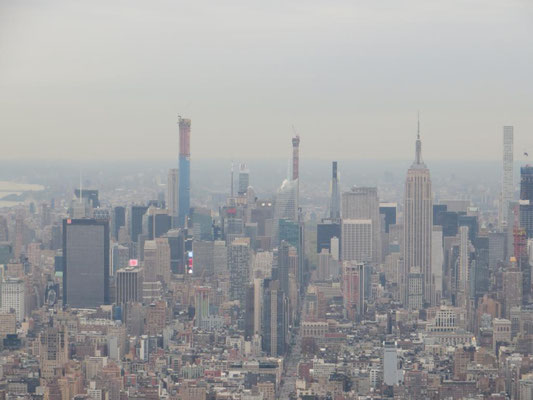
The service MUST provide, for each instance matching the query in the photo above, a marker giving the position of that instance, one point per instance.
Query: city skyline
(222, 201)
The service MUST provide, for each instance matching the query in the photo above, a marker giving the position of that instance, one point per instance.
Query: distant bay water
(15, 188)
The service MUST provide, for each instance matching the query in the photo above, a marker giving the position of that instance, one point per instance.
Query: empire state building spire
(418, 149)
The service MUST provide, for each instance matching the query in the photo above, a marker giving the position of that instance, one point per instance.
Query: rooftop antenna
(231, 191)
(418, 126)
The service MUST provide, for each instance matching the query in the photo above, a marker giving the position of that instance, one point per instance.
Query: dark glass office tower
(388, 210)
(325, 232)
(275, 319)
(526, 199)
(119, 220)
(526, 183)
(136, 221)
(471, 222)
(85, 263)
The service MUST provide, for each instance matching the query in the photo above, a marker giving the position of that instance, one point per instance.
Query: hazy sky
(97, 79)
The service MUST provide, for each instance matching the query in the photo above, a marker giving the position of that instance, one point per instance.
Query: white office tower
(12, 296)
(334, 245)
(507, 177)
(462, 272)
(418, 221)
(173, 195)
(262, 264)
(362, 203)
(437, 263)
(390, 364)
(356, 237)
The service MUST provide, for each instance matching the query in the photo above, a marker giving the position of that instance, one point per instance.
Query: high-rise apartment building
(184, 170)
(296, 158)
(353, 289)
(85, 263)
(173, 195)
(239, 259)
(507, 177)
(418, 221)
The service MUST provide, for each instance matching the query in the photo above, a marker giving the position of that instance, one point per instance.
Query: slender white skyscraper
(507, 178)
(335, 204)
(418, 223)
(173, 195)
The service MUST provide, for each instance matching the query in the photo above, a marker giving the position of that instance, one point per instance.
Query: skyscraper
(437, 263)
(201, 305)
(335, 204)
(119, 220)
(507, 178)
(526, 199)
(12, 297)
(53, 351)
(463, 281)
(244, 179)
(85, 263)
(362, 203)
(173, 195)
(184, 170)
(418, 220)
(356, 240)
(295, 157)
(353, 289)
(275, 319)
(136, 221)
(128, 285)
(239, 268)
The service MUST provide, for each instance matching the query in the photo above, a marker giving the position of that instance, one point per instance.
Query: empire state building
(418, 222)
